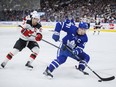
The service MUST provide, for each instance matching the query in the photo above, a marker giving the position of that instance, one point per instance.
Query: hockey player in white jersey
(29, 38)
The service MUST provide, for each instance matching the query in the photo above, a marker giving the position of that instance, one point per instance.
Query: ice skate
(28, 65)
(85, 73)
(48, 73)
(2, 65)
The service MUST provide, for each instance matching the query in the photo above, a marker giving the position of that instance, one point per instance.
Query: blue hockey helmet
(83, 25)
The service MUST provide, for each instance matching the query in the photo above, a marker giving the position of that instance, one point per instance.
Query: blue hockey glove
(56, 36)
(77, 51)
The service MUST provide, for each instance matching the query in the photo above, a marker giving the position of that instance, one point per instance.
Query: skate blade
(28, 68)
(1, 67)
(47, 76)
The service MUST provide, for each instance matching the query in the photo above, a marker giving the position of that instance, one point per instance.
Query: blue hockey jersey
(72, 39)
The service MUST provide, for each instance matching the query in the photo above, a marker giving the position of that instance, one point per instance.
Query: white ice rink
(101, 48)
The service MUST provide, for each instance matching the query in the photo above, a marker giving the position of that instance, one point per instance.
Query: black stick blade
(108, 79)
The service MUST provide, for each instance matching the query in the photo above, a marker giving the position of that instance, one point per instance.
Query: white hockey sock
(31, 60)
(6, 60)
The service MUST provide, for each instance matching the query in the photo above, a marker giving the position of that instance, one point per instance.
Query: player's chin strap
(101, 79)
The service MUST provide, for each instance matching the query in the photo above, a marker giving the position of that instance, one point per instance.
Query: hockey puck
(99, 80)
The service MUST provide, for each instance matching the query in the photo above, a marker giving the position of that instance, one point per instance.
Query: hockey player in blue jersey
(75, 40)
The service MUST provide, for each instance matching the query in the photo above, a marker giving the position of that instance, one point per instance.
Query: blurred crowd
(58, 10)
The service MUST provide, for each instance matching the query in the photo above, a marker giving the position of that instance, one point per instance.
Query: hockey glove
(56, 36)
(77, 51)
(26, 32)
(38, 37)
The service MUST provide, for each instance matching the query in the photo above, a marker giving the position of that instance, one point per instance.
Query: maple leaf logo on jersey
(71, 44)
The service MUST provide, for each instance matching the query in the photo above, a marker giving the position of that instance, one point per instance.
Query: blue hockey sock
(54, 64)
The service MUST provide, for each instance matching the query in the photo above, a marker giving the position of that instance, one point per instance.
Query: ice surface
(101, 48)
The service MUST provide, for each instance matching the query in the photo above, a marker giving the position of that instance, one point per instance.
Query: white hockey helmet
(34, 12)
(36, 16)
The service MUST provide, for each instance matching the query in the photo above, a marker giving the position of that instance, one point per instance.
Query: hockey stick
(101, 79)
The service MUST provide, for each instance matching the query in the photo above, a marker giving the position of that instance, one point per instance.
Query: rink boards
(106, 27)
